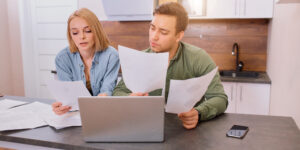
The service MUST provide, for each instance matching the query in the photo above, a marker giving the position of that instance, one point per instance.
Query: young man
(185, 61)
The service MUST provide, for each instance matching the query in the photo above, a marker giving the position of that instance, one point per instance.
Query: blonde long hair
(101, 39)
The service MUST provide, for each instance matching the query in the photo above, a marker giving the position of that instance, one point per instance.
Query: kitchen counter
(265, 132)
(262, 78)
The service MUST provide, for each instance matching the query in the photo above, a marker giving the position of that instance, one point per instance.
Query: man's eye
(164, 33)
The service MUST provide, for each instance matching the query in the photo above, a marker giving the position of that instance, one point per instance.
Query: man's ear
(179, 36)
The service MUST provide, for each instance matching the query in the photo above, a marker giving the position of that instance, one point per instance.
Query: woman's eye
(88, 31)
(74, 33)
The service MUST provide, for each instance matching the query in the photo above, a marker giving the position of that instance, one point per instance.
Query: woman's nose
(82, 35)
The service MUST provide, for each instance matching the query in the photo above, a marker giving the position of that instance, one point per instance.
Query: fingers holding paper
(189, 119)
(59, 109)
(102, 94)
(139, 94)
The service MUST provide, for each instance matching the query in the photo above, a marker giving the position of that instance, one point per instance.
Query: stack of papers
(33, 115)
(8, 103)
(67, 120)
(14, 120)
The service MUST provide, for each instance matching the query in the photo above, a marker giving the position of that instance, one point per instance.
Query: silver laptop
(122, 119)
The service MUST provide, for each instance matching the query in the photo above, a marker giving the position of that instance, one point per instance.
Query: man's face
(162, 33)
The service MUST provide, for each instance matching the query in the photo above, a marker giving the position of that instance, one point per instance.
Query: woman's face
(81, 34)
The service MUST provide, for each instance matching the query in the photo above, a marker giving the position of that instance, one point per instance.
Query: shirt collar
(178, 51)
(95, 59)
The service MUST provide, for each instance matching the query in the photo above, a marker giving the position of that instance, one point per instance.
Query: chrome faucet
(235, 51)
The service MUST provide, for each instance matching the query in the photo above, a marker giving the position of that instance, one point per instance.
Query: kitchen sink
(246, 74)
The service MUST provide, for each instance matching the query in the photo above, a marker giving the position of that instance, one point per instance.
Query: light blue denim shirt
(103, 73)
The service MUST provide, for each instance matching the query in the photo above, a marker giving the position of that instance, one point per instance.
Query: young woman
(88, 58)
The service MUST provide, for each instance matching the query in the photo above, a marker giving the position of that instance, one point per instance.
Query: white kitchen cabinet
(256, 8)
(128, 10)
(239, 9)
(247, 98)
(222, 9)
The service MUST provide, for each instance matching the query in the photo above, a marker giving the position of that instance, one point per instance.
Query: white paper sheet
(14, 120)
(35, 107)
(143, 72)
(6, 104)
(68, 92)
(184, 94)
(44, 111)
(62, 121)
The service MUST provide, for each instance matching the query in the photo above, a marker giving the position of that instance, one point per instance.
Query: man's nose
(155, 35)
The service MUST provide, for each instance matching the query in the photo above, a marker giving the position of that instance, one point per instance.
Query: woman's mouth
(83, 44)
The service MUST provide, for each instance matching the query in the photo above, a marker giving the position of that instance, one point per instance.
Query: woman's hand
(102, 94)
(59, 109)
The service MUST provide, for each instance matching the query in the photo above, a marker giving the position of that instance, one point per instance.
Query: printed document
(62, 121)
(141, 71)
(184, 94)
(6, 104)
(14, 120)
(68, 92)
(43, 112)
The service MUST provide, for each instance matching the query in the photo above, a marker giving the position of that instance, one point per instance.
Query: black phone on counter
(237, 131)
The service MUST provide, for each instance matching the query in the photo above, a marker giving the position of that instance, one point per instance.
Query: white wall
(5, 54)
(11, 76)
(15, 47)
(283, 65)
(95, 6)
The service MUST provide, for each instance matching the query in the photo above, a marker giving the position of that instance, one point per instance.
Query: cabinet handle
(231, 93)
(241, 93)
(235, 3)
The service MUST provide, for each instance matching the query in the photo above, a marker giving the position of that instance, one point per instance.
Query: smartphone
(237, 131)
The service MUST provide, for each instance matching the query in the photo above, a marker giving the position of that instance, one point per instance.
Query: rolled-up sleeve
(64, 72)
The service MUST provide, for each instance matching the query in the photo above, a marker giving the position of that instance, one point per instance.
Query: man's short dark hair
(174, 9)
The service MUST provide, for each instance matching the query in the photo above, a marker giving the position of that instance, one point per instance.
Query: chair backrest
(54, 74)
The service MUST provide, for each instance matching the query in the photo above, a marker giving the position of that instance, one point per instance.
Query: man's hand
(189, 119)
(139, 94)
(102, 94)
(59, 109)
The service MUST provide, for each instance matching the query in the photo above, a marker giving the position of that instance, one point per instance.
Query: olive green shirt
(190, 62)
